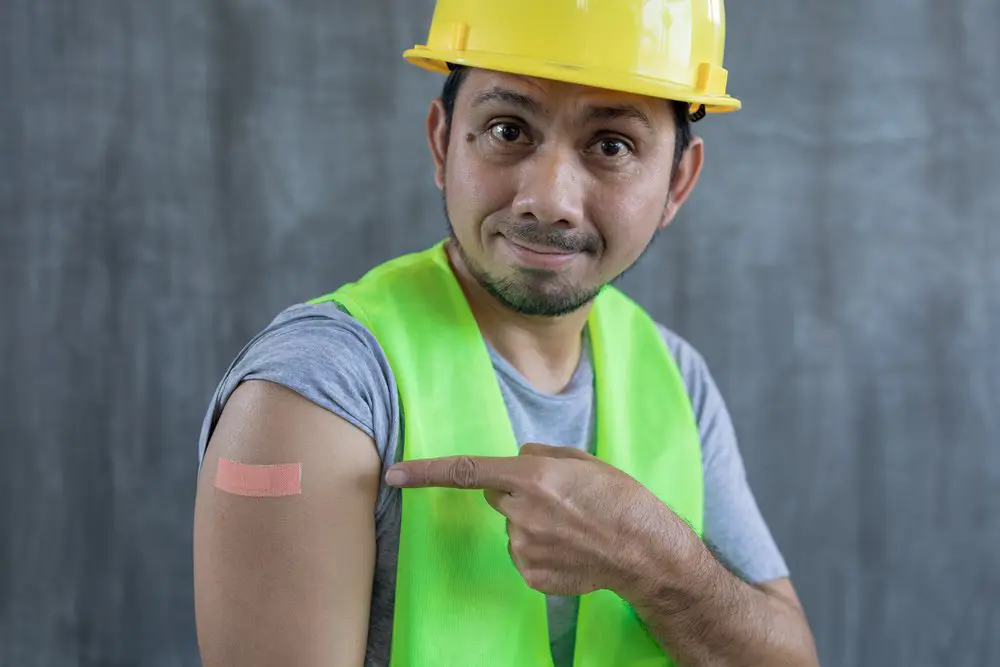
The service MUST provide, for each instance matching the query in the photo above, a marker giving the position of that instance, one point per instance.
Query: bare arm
(708, 617)
(576, 524)
(286, 580)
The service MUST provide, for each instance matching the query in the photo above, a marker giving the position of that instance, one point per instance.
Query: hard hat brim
(437, 61)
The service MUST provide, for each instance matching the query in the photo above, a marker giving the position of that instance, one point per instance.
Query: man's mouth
(539, 256)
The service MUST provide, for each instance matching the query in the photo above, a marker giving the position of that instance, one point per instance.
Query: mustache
(534, 233)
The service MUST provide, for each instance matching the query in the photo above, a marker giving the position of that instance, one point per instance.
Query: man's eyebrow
(619, 112)
(507, 96)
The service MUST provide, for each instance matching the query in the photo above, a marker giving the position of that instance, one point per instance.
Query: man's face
(552, 190)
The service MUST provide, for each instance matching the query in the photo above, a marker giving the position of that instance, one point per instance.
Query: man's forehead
(550, 95)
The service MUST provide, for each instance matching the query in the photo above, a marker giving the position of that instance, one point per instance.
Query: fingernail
(395, 477)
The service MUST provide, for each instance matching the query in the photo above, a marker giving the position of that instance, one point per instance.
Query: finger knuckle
(545, 478)
(530, 449)
(535, 578)
(547, 483)
(516, 537)
(533, 530)
(464, 472)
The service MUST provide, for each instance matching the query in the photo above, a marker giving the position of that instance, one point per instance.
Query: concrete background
(173, 174)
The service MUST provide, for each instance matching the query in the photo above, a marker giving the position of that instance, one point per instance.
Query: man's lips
(542, 257)
(542, 250)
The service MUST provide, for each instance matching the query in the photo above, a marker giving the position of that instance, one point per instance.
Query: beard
(530, 291)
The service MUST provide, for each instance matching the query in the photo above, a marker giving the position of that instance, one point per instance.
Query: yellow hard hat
(662, 48)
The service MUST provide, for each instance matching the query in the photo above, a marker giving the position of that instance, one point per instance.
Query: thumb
(553, 452)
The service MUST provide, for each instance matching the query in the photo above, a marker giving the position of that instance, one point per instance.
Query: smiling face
(552, 189)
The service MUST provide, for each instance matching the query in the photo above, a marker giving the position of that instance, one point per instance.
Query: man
(479, 454)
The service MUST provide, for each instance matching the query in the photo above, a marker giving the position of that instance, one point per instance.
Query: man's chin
(539, 302)
(528, 290)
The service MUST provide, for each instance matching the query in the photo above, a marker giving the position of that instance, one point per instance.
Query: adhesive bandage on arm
(259, 481)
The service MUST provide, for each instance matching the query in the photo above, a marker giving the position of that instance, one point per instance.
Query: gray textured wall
(172, 174)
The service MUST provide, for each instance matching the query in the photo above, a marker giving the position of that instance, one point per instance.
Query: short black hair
(682, 111)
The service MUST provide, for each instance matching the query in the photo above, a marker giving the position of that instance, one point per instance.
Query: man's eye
(506, 132)
(613, 147)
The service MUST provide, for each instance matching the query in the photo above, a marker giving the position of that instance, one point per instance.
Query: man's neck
(545, 350)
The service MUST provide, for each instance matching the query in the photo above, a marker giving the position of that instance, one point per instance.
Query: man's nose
(552, 188)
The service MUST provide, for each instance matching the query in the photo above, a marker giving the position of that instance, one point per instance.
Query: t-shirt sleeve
(734, 529)
(329, 358)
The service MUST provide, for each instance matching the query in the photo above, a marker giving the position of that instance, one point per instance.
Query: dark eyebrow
(508, 96)
(623, 112)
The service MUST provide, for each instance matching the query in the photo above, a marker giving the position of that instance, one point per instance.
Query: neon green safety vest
(460, 602)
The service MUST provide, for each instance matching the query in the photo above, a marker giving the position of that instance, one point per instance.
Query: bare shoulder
(285, 579)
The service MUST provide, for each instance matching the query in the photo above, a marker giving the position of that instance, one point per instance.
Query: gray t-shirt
(329, 358)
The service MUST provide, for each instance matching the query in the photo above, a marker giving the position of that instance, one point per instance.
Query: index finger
(460, 472)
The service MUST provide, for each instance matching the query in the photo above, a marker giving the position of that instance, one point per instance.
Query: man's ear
(683, 180)
(437, 139)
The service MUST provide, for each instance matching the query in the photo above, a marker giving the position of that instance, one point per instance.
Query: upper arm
(286, 580)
